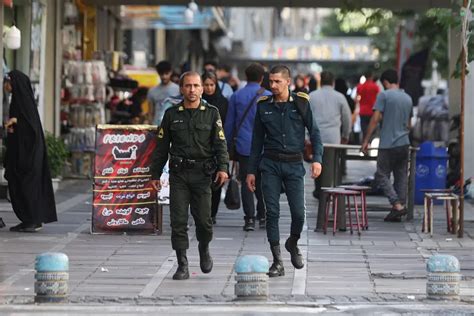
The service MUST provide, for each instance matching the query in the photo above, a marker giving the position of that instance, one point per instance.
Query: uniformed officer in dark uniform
(277, 147)
(192, 134)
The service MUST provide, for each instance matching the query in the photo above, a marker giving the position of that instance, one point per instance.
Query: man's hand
(221, 177)
(344, 141)
(251, 182)
(156, 184)
(365, 147)
(11, 122)
(316, 169)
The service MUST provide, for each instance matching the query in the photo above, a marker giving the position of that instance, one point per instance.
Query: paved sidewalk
(386, 264)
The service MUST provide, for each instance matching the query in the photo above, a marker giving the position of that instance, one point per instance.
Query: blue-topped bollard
(252, 278)
(52, 275)
(443, 277)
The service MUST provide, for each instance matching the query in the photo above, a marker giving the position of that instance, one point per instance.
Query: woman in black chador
(213, 95)
(26, 163)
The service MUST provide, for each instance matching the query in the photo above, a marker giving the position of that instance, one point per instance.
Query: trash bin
(431, 164)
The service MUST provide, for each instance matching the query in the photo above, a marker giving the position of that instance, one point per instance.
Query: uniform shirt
(332, 114)
(396, 108)
(193, 134)
(238, 104)
(157, 95)
(368, 93)
(280, 128)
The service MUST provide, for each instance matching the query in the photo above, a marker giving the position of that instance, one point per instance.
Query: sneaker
(262, 223)
(17, 228)
(31, 228)
(249, 225)
(393, 216)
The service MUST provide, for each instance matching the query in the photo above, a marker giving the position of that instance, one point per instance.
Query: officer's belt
(190, 163)
(283, 157)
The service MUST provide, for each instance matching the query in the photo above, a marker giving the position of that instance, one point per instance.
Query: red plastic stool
(363, 190)
(333, 194)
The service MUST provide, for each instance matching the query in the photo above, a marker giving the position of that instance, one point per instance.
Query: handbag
(308, 151)
(232, 147)
(232, 194)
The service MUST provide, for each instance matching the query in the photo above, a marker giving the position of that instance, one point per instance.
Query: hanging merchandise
(84, 93)
(12, 38)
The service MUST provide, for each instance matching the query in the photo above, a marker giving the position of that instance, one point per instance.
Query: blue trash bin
(431, 165)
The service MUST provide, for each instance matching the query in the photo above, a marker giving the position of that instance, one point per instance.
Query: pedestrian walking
(239, 129)
(213, 95)
(226, 89)
(393, 109)
(333, 117)
(300, 84)
(366, 95)
(277, 147)
(26, 161)
(191, 135)
(158, 94)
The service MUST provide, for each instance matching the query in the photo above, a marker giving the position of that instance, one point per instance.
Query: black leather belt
(283, 157)
(184, 163)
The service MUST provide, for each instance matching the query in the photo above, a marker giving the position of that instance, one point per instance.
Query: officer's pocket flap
(203, 127)
(295, 116)
(177, 127)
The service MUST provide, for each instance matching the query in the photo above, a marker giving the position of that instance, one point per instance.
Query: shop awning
(387, 4)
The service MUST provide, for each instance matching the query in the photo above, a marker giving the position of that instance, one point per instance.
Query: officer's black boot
(277, 268)
(296, 257)
(205, 259)
(182, 273)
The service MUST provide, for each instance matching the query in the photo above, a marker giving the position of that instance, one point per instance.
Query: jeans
(248, 203)
(393, 160)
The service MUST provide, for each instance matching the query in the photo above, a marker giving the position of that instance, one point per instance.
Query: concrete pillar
(444, 277)
(252, 278)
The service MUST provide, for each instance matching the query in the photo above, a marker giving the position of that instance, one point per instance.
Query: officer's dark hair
(254, 72)
(163, 67)
(390, 75)
(188, 74)
(281, 69)
(209, 62)
(327, 78)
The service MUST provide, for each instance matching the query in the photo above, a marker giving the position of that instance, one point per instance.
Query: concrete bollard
(52, 275)
(443, 277)
(252, 278)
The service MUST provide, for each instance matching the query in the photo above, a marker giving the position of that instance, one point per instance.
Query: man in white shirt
(158, 94)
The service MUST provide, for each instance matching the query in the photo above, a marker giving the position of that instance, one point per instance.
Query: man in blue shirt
(393, 109)
(277, 147)
(239, 121)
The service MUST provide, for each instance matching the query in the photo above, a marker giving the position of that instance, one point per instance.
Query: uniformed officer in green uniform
(277, 147)
(191, 134)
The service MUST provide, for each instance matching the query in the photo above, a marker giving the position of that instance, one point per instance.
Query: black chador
(26, 163)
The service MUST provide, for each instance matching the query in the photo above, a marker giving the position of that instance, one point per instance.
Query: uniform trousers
(291, 175)
(190, 187)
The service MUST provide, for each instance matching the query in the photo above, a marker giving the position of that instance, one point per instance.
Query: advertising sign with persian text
(124, 200)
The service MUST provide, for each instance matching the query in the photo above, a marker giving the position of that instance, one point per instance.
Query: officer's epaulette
(263, 98)
(303, 95)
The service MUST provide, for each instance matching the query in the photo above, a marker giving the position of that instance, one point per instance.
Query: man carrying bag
(238, 129)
